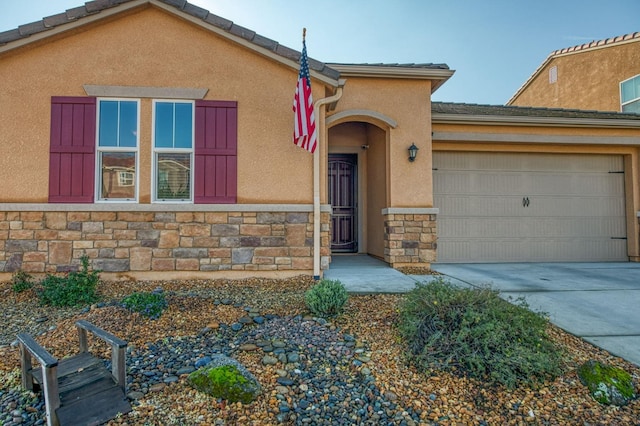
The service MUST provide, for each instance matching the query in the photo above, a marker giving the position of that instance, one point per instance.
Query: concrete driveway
(599, 302)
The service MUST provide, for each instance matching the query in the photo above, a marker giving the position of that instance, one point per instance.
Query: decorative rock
(269, 360)
(248, 347)
(284, 381)
(236, 326)
(158, 387)
(258, 319)
(293, 357)
(201, 362)
(135, 395)
(282, 390)
(185, 370)
(607, 384)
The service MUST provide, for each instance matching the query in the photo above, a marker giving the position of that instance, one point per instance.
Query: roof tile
(196, 11)
(180, 4)
(32, 28)
(476, 109)
(54, 20)
(77, 12)
(11, 35)
(242, 32)
(265, 42)
(218, 21)
(288, 52)
(97, 5)
(596, 43)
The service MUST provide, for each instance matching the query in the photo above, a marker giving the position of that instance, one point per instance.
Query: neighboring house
(171, 155)
(602, 75)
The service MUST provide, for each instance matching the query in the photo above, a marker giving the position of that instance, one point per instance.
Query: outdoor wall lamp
(413, 151)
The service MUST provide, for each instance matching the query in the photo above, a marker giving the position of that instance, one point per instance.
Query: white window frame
(100, 150)
(155, 151)
(637, 99)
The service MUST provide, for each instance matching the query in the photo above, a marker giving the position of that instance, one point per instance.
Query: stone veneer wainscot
(410, 237)
(47, 238)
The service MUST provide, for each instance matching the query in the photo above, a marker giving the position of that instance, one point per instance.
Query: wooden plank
(98, 332)
(84, 378)
(71, 365)
(95, 409)
(89, 386)
(40, 353)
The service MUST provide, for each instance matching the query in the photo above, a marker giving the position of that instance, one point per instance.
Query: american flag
(304, 132)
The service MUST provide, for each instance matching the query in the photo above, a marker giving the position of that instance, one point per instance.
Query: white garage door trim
(514, 207)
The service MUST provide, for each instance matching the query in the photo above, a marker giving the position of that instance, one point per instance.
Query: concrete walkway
(599, 302)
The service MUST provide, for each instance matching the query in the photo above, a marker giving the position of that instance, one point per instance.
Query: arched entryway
(357, 181)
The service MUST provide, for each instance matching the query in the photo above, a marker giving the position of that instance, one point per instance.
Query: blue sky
(494, 45)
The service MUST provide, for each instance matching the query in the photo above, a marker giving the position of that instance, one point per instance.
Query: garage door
(503, 207)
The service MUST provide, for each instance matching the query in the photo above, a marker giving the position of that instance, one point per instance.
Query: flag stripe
(304, 126)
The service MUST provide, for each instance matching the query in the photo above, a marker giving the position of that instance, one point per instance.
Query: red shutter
(216, 152)
(72, 150)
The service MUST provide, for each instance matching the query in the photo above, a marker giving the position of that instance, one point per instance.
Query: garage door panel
(531, 162)
(487, 182)
(469, 205)
(506, 207)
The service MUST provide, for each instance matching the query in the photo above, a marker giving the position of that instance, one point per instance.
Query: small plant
(327, 298)
(150, 305)
(75, 288)
(475, 332)
(21, 281)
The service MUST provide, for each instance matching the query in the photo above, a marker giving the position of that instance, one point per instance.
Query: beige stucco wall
(153, 48)
(587, 79)
(407, 102)
(376, 190)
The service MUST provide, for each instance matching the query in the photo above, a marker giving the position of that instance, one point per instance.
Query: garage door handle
(525, 202)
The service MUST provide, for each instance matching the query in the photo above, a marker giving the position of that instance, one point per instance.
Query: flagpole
(316, 175)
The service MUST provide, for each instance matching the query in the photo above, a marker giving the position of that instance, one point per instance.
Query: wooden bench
(78, 390)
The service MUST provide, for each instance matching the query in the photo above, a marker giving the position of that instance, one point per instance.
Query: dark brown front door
(343, 196)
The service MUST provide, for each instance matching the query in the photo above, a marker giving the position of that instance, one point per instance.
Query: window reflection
(118, 172)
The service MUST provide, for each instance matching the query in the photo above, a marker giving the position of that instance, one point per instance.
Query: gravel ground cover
(350, 371)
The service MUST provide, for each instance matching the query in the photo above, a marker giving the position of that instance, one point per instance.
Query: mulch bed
(438, 398)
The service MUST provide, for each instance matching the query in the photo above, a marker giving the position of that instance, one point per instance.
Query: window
(95, 143)
(117, 150)
(553, 74)
(173, 150)
(630, 95)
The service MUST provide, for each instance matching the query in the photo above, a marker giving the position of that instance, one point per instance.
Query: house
(171, 155)
(602, 75)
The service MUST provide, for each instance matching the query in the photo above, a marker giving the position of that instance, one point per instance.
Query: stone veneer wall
(410, 236)
(123, 241)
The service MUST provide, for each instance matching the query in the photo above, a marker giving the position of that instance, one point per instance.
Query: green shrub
(21, 281)
(150, 305)
(475, 332)
(327, 298)
(73, 289)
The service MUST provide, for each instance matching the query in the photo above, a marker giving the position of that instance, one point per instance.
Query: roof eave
(288, 60)
(438, 76)
(498, 120)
